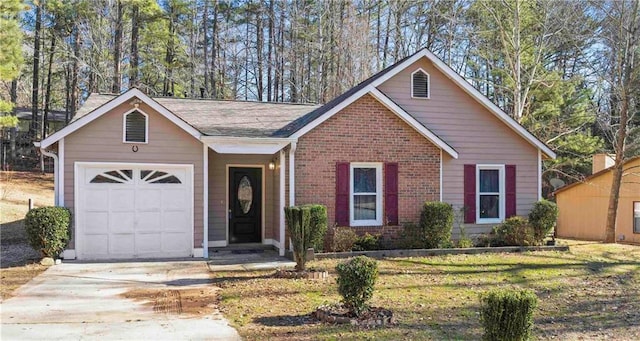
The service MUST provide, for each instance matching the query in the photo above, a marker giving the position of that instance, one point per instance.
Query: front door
(245, 205)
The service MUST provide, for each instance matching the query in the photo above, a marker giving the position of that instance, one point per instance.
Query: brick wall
(366, 131)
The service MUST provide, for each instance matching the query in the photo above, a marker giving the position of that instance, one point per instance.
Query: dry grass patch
(592, 292)
(178, 301)
(17, 257)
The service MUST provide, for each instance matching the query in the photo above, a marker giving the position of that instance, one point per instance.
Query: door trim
(226, 211)
(77, 178)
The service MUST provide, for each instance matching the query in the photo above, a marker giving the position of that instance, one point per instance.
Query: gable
(450, 112)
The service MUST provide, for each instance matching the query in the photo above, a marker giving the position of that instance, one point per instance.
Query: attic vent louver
(420, 84)
(135, 127)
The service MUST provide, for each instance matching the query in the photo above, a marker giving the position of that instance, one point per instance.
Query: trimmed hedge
(299, 227)
(507, 314)
(48, 229)
(543, 218)
(318, 225)
(367, 242)
(356, 280)
(341, 239)
(515, 231)
(436, 222)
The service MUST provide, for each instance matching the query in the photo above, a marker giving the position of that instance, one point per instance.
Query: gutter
(56, 175)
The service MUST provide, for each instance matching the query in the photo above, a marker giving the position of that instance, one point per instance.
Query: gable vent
(135, 127)
(420, 84)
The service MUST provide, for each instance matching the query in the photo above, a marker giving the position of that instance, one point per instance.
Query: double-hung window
(366, 194)
(636, 217)
(490, 201)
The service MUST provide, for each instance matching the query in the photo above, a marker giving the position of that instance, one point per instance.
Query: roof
(219, 117)
(593, 176)
(53, 115)
(309, 121)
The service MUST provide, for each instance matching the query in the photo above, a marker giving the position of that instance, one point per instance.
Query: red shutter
(342, 193)
(470, 194)
(510, 189)
(391, 192)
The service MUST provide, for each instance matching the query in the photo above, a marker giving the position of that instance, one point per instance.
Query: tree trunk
(205, 46)
(13, 130)
(117, 49)
(47, 101)
(214, 50)
(270, 33)
(75, 73)
(259, 42)
(33, 128)
(134, 59)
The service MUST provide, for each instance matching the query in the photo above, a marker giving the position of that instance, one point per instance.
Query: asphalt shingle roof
(221, 118)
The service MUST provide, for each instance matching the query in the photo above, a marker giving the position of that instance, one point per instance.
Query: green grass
(592, 291)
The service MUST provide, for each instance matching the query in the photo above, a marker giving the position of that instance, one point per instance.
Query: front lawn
(591, 292)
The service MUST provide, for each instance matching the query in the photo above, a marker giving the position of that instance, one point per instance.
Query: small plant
(318, 226)
(436, 221)
(341, 239)
(48, 229)
(298, 225)
(543, 218)
(463, 241)
(367, 242)
(411, 236)
(515, 231)
(507, 314)
(356, 280)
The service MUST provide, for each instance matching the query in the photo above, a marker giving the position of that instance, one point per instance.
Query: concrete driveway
(156, 300)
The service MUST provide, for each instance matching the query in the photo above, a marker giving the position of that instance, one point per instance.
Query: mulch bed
(338, 314)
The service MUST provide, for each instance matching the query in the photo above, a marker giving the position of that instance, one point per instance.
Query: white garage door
(134, 211)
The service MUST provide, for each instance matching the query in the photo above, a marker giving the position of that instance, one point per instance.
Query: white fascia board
(412, 122)
(311, 125)
(473, 92)
(248, 145)
(131, 93)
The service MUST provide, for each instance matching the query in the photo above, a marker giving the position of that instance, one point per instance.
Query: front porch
(246, 187)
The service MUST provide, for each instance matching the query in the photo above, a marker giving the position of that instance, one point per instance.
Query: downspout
(56, 180)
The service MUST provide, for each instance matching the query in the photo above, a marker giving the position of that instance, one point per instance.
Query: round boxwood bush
(515, 231)
(48, 229)
(356, 278)
(543, 218)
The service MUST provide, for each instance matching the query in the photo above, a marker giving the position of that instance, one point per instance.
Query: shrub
(318, 226)
(514, 231)
(341, 239)
(298, 224)
(356, 278)
(464, 242)
(367, 242)
(48, 229)
(436, 222)
(543, 218)
(411, 237)
(507, 314)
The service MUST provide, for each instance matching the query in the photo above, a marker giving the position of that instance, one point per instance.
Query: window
(366, 194)
(420, 84)
(636, 217)
(135, 127)
(490, 200)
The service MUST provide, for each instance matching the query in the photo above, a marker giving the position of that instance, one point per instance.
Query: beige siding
(583, 208)
(475, 133)
(218, 182)
(101, 141)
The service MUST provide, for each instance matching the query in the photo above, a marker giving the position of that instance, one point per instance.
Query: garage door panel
(121, 222)
(149, 242)
(175, 199)
(96, 244)
(150, 221)
(122, 199)
(174, 221)
(122, 243)
(149, 199)
(174, 242)
(128, 214)
(96, 199)
(96, 222)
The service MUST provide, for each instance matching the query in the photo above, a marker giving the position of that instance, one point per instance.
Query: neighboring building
(583, 206)
(166, 177)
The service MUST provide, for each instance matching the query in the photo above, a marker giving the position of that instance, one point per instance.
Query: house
(583, 206)
(166, 177)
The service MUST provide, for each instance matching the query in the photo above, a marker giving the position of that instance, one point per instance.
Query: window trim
(146, 126)
(502, 193)
(379, 192)
(636, 229)
(428, 84)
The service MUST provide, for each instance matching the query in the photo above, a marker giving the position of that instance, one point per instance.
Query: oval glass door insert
(245, 194)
